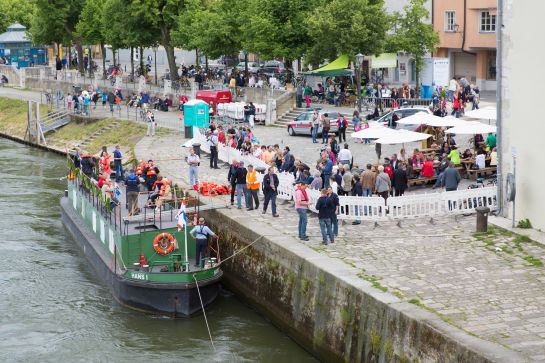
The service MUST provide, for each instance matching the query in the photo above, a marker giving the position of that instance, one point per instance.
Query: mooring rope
(242, 249)
(204, 312)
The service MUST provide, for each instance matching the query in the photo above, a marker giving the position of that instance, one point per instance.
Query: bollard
(482, 219)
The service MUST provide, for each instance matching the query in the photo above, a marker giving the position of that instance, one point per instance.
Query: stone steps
(114, 124)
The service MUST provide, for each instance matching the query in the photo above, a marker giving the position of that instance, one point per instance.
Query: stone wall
(326, 308)
(11, 73)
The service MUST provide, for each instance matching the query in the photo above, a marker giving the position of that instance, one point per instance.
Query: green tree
(412, 34)
(55, 22)
(213, 27)
(89, 27)
(16, 11)
(347, 27)
(163, 16)
(277, 29)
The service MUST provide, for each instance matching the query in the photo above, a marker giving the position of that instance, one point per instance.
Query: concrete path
(489, 286)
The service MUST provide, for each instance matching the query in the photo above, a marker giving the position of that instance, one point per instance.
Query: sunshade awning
(472, 128)
(385, 60)
(486, 113)
(419, 118)
(402, 136)
(375, 132)
(336, 68)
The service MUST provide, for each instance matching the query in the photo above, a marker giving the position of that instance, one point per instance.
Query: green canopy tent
(336, 68)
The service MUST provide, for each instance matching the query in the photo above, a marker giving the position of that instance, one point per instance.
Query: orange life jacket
(251, 180)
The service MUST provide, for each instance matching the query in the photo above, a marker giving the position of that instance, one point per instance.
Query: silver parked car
(253, 67)
(302, 125)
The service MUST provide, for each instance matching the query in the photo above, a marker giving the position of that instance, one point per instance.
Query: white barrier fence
(371, 208)
(235, 110)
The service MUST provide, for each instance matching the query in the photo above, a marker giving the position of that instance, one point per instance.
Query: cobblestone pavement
(492, 286)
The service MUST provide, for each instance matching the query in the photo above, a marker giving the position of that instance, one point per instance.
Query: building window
(450, 21)
(487, 23)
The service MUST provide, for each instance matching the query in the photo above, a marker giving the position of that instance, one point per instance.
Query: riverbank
(89, 134)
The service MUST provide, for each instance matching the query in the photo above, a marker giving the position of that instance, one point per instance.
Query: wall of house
(521, 129)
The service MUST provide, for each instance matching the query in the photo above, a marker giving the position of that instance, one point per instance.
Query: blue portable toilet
(195, 114)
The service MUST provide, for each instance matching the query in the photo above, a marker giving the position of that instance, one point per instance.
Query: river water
(54, 309)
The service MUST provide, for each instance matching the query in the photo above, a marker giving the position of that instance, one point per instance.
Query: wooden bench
(416, 181)
(474, 173)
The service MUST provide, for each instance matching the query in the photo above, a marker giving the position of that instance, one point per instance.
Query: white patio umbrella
(402, 136)
(419, 118)
(485, 113)
(447, 121)
(472, 128)
(374, 132)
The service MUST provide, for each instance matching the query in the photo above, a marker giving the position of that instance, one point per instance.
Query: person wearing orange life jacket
(253, 187)
(165, 193)
(156, 190)
(150, 174)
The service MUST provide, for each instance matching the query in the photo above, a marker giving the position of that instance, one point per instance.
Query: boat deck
(149, 219)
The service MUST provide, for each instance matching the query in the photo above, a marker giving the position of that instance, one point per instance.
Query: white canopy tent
(447, 121)
(402, 136)
(419, 118)
(485, 113)
(472, 128)
(375, 132)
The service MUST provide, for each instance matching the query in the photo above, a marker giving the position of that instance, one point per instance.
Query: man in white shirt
(214, 150)
(480, 161)
(193, 160)
(345, 156)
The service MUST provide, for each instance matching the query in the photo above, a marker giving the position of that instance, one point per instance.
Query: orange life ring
(163, 243)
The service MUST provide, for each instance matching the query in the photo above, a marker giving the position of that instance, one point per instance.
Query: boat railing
(105, 203)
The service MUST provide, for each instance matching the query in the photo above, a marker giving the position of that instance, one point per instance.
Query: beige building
(467, 32)
(522, 129)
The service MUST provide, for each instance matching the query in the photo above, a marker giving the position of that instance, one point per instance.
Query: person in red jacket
(427, 169)
(388, 169)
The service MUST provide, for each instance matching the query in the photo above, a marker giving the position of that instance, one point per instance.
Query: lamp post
(155, 60)
(359, 61)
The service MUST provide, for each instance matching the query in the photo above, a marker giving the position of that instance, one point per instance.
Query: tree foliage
(162, 16)
(277, 29)
(347, 27)
(16, 11)
(89, 27)
(412, 34)
(213, 27)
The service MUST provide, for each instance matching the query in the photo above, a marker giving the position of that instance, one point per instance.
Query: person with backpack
(342, 125)
(325, 128)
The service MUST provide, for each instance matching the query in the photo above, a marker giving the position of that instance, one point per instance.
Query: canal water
(54, 309)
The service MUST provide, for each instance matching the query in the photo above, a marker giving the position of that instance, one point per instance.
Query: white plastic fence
(414, 206)
(235, 110)
(362, 208)
(285, 186)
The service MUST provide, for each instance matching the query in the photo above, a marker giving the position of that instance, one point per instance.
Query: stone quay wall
(339, 318)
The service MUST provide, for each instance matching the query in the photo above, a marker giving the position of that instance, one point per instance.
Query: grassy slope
(13, 116)
(13, 121)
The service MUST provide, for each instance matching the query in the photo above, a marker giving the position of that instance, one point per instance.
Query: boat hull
(172, 299)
